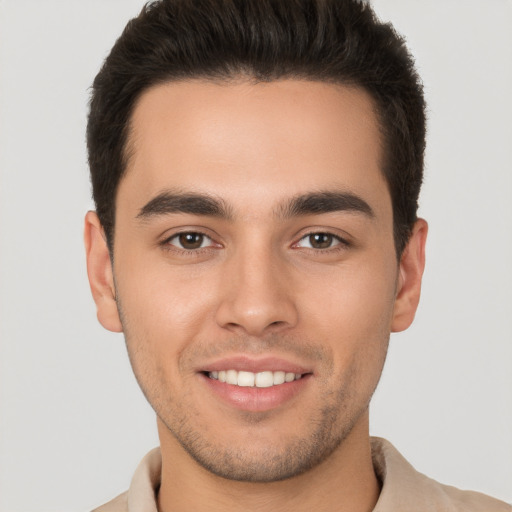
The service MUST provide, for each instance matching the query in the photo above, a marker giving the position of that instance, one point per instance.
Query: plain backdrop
(73, 423)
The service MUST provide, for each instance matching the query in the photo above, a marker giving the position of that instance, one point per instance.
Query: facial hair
(278, 457)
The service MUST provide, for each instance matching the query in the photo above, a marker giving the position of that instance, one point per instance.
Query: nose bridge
(256, 297)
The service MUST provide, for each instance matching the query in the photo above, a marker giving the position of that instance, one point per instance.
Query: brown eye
(320, 240)
(190, 241)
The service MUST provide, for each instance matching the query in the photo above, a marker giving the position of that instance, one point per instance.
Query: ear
(101, 277)
(412, 264)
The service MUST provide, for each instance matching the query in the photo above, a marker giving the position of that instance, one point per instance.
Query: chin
(260, 456)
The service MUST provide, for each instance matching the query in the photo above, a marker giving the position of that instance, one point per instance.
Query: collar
(403, 488)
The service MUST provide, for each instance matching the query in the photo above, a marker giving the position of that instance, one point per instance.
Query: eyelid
(342, 242)
(166, 240)
(177, 235)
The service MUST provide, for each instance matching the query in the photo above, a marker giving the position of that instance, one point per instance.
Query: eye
(190, 241)
(320, 241)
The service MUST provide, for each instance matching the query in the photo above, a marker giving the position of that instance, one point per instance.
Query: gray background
(73, 423)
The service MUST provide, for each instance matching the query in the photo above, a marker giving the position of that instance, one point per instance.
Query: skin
(257, 286)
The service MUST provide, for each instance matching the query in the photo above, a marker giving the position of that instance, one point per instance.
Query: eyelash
(342, 244)
(168, 246)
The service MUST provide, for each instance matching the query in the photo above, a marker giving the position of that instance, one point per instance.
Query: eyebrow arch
(325, 202)
(184, 202)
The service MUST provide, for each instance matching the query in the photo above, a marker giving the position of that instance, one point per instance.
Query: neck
(344, 481)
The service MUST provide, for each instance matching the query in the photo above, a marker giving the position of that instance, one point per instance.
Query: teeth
(249, 379)
(231, 377)
(245, 379)
(278, 378)
(264, 379)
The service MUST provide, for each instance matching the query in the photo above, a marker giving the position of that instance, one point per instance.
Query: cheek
(162, 305)
(352, 299)
(353, 314)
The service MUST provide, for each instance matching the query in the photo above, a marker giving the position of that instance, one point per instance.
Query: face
(255, 274)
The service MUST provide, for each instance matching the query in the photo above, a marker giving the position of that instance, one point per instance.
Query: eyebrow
(183, 202)
(314, 203)
(326, 202)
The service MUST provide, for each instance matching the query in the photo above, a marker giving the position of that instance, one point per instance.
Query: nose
(257, 297)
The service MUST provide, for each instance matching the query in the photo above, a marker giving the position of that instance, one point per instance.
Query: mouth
(263, 379)
(255, 385)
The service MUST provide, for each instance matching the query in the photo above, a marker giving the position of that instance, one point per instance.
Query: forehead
(254, 142)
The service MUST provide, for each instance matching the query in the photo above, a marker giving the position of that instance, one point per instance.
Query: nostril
(255, 315)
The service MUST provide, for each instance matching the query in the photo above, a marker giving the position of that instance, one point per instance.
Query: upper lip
(255, 365)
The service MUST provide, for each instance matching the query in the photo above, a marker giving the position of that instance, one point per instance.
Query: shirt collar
(403, 488)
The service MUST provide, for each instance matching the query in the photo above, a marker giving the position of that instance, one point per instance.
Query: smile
(265, 379)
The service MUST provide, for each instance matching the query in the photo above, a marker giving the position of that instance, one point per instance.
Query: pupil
(191, 240)
(320, 240)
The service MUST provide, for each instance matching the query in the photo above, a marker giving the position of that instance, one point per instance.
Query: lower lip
(255, 399)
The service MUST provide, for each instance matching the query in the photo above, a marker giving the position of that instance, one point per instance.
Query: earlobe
(99, 271)
(412, 264)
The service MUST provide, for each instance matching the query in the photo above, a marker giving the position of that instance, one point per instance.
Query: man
(256, 167)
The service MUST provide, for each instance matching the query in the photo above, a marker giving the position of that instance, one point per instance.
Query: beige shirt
(403, 488)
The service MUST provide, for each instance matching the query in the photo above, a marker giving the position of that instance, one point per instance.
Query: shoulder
(470, 501)
(119, 504)
(143, 487)
(406, 490)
